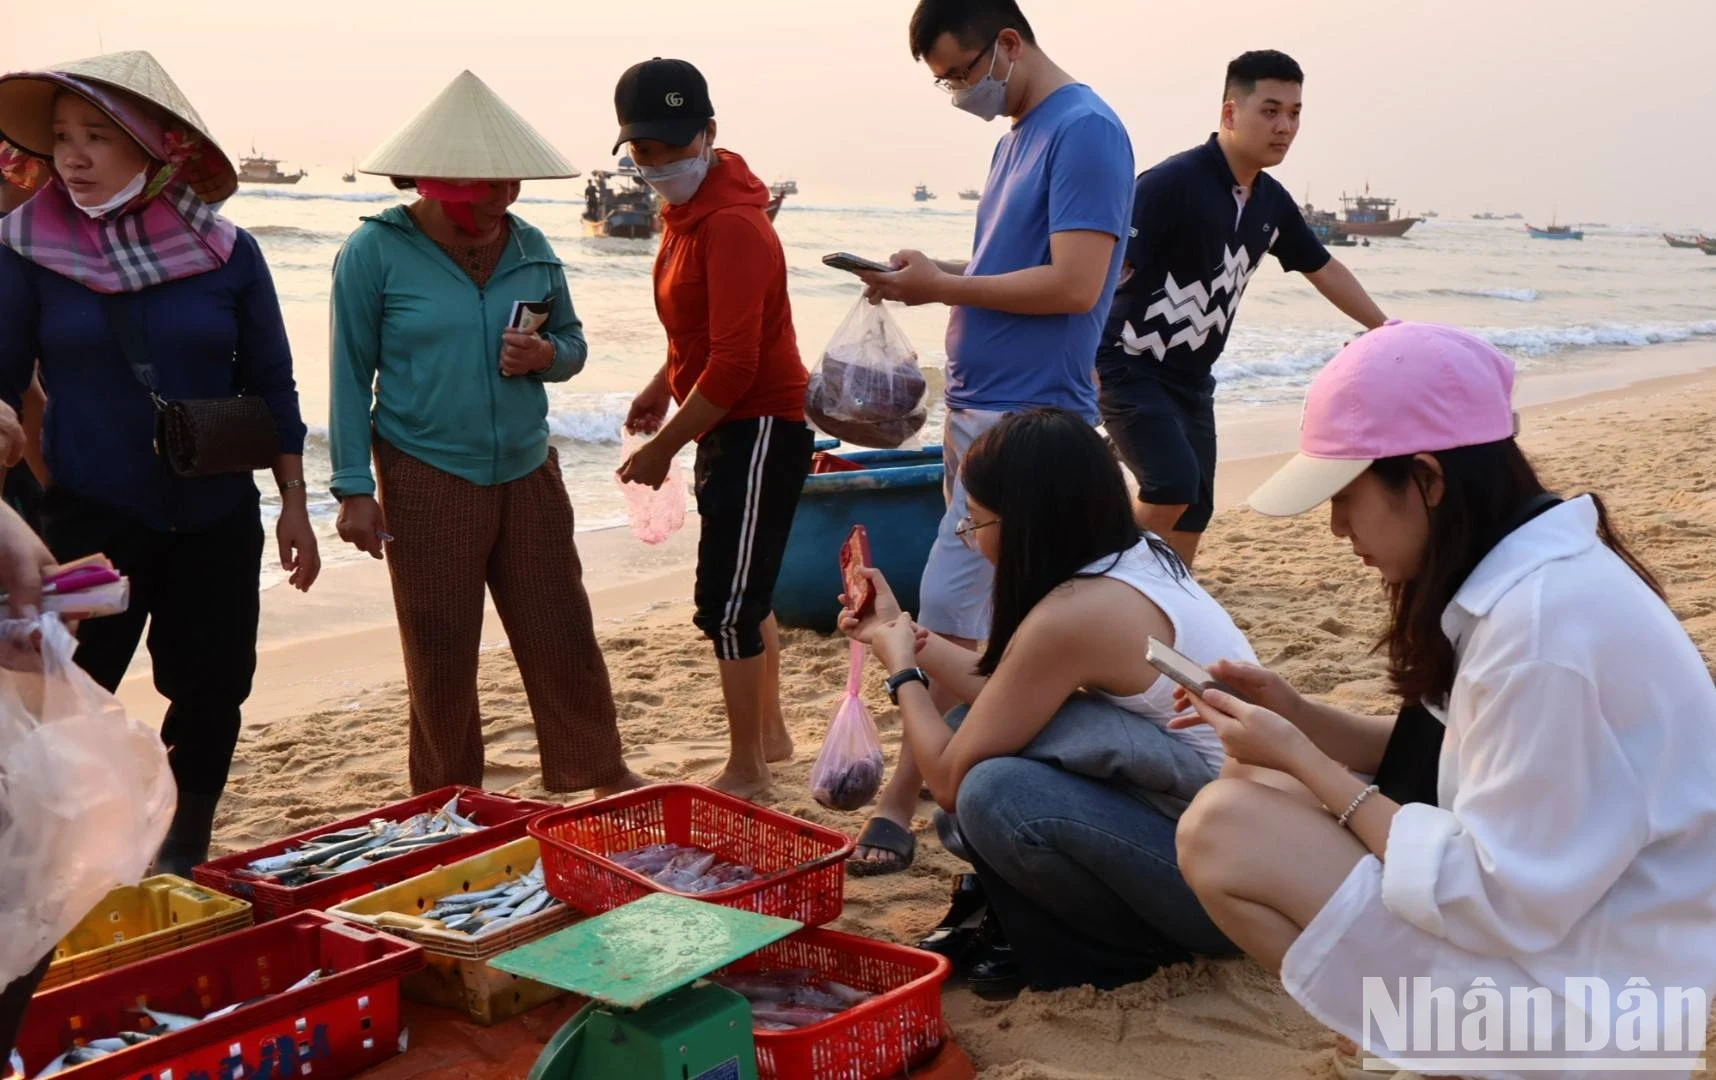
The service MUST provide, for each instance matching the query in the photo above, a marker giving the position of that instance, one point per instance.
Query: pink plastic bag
(656, 513)
(848, 771)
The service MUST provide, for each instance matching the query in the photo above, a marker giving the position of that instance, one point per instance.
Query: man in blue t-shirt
(1027, 309)
(1201, 224)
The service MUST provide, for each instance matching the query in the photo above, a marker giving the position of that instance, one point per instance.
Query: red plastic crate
(900, 1029)
(804, 864)
(503, 816)
(337, 1027)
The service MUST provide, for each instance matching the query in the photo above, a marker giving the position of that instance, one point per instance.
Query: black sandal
(883, 835)
(992, 973)
(957, 931)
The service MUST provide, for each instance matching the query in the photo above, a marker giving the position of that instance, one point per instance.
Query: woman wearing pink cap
(1570, 832)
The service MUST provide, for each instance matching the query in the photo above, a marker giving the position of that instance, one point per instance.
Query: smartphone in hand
(854, 559)
(1178, 667)
(845, 260)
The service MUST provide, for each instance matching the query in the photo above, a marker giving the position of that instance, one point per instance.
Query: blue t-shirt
(1066, 167)
(1193, 249)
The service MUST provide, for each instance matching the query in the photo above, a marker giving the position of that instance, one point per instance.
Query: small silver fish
(170, 1021)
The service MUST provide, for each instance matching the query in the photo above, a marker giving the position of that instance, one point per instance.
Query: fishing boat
(774, 206)
(1486, 216)
(784, 187)
(923, 193)
(256, 169)
(1682, 240)
(1555, 232)
(1327, 227)
(971, 194)
(349, 177)
(625, 211)
(1373, 215)
(1431, 214)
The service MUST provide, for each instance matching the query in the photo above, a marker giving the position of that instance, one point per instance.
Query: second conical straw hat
(468, 133)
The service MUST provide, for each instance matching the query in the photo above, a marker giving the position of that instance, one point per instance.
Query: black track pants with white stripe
(749, 476)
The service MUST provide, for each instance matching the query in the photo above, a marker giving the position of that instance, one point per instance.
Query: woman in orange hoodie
(733, 369)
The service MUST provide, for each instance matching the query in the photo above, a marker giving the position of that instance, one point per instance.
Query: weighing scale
(649, 1018)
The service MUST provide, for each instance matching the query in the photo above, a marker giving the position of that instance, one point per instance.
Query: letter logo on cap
(675, 100)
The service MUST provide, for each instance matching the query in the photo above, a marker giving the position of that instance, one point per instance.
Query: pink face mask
(456, 199)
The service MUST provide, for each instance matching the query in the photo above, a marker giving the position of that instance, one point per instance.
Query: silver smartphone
(1178, 667)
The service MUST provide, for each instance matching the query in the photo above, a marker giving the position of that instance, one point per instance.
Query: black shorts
(750, 474)
(1165, 433)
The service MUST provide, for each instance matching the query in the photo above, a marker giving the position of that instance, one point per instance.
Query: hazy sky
(1595, 110)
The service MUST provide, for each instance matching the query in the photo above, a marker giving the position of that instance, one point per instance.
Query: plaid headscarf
(168, 232)
(154, 239)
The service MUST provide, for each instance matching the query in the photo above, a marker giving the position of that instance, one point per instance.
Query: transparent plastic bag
(868, 389)
(848, 771)
(86, 794)
(656, 513)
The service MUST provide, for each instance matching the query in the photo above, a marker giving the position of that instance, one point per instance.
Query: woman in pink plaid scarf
(133, 292)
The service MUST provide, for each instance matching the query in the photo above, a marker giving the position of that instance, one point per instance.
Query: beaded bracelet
(1354, 805)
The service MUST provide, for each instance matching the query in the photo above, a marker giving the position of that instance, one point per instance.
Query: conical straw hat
(468, 133)
(27, 121)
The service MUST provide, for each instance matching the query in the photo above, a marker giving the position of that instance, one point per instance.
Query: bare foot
(629, 782)
(741, 781)
(777, 744)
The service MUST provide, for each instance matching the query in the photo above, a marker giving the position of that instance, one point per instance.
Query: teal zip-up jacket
(415, 349)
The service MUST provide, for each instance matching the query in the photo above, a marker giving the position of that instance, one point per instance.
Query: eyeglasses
(962, 80)
(966, 530)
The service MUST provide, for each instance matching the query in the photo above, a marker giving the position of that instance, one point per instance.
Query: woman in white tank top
(1066, 779)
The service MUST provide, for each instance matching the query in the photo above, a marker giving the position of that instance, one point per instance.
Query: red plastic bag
(656, 513)
(848, 771)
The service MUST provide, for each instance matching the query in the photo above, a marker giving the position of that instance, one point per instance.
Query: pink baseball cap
(1403, 388)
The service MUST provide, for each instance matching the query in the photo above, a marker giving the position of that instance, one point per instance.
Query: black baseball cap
(662, 99)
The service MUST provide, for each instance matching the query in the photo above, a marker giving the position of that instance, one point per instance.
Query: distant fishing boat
(1486, 216)
(1682, 240)
(784, 187)
(256, 169)
(350, 177)
(1371, 215)
(971, 194)
(1555, 232)
(1431, 214)
(1327, 227)
(923, 193)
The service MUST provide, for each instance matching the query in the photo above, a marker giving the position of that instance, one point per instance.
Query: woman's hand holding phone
(885, 609)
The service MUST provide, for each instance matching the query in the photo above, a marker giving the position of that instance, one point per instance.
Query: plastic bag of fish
(479, 913)
(685, 869)
(160, 1023)
(789, 1000)
(336, 853)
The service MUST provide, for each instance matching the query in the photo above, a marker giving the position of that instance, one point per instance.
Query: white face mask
(120, 198)
(988, 99)
(680, 181)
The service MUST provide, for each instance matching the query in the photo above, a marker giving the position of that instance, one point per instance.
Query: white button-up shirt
(1575, 831)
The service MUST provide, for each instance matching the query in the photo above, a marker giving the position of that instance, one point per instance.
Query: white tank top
(1203, 631)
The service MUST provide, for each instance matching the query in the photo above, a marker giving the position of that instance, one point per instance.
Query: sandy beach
(326, 737)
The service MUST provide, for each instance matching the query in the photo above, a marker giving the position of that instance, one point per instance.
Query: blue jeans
(1080, 869)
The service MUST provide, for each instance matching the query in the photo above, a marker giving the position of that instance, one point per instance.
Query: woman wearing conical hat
(117, 273)
(430, 380)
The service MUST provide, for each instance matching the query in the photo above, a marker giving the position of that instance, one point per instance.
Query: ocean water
(1548, 304)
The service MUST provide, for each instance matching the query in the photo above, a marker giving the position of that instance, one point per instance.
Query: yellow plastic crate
(158, 915)
(457, 974)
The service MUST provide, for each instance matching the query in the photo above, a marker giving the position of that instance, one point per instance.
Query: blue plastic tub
(896, 497)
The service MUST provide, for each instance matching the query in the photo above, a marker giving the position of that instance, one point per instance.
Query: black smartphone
(845, 260)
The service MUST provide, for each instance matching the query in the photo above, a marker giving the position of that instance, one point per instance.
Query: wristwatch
(901, 678)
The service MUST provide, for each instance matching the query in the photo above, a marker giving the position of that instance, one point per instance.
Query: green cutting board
(644, 950)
